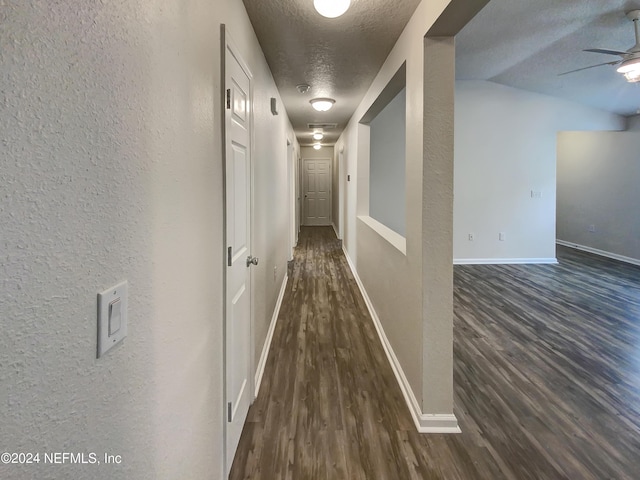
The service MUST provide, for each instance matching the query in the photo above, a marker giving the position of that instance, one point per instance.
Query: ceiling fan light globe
(331, 8)
(629, 65)
(631, 70)
(633, 76)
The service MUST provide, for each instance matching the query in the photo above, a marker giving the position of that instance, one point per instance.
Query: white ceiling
(526, 44)
(519, 43)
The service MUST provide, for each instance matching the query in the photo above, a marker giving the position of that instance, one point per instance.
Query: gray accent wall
(599, 191)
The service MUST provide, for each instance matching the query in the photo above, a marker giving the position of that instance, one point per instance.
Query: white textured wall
(437, 225)
(598, 178)
(505, 146)
(349, 189)
(111, 169)
(387, 177)
(271, 195)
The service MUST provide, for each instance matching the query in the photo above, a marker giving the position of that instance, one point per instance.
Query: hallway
(118, 123)
(330, 408)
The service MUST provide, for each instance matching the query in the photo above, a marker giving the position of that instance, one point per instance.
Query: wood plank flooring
(546, 374)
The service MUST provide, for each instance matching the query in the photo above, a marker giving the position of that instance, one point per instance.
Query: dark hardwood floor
(546, 373)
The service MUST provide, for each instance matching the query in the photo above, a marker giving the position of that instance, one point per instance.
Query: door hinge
(229, 410)
(229, 254)
(228, 98)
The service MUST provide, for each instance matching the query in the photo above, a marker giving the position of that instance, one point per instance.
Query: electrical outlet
(275, 273)
(471, 237)
(536, 194)
(501, 236)
(592, 228)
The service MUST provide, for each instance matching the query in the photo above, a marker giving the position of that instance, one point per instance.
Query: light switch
(112, 317)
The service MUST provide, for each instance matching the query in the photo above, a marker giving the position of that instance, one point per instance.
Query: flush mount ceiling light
(318, 136)
(331, 8)
(317, 146)
(322, 104)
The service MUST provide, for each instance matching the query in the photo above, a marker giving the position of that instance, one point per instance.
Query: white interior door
(238, 388)
(316, 186)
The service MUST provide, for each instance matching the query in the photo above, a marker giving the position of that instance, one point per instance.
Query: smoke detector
(303, 88)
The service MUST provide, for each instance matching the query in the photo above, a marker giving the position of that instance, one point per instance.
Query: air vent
(323, 126)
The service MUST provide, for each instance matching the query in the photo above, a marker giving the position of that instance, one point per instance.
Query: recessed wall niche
(386, 120)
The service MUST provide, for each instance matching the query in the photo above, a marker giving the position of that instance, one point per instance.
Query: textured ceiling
(520, 43)
(338, 57)
(526, 44)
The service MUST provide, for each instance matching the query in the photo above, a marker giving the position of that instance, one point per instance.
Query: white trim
(503, 261)
(342, 178)
(335, 230)
(425, 423)
(291, 154)
(267, 342)
(394, 238)
(596, 251)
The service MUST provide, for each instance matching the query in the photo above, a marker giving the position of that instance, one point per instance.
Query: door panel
(238, 388)
(317, 191)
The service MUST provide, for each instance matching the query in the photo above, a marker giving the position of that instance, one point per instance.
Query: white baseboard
(596, 251)
(503, 261)
(267, 342)
(335, 229)
(425, 423)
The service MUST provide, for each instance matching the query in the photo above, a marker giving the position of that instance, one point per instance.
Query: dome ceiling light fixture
(317, 146)
(322, 104)
(318, 136)
(331, 8)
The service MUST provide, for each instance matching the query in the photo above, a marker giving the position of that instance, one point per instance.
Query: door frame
(228, 45)
(342, 178)
(303, 213)
(291, 174)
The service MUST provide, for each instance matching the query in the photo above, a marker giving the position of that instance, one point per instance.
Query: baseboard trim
(267, 342)
(503, 261)
(335, 229)
(596, 251)
(439, 423)
(425, 423)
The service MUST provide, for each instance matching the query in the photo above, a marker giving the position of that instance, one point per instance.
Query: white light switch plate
(112, 317)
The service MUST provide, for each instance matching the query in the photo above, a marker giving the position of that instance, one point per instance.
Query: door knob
(252, 261)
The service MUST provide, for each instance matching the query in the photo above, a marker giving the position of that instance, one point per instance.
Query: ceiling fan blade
(608, 52)
(591, 66)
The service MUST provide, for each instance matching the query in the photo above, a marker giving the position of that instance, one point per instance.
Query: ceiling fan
(630, 60)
